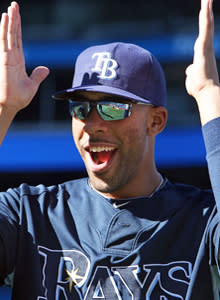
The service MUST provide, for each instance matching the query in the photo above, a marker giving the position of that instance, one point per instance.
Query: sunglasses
(107, 110)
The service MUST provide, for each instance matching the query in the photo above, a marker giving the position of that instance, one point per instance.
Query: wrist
(7, 115)
(208, 101)
(7, 111)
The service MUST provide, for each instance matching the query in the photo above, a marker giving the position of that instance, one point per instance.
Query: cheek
(77, 130)
(131, 136)
(136, 139)
(136, 130)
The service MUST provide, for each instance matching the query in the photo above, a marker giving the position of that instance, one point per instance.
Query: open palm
(202, 73)
(16, 88)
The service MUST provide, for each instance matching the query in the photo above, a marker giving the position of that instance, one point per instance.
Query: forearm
(212, 142)
(209, 104)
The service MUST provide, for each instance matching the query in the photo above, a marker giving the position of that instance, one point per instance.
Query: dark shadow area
(193, 176)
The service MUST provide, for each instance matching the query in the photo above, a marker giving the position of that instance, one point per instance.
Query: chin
(102, 186)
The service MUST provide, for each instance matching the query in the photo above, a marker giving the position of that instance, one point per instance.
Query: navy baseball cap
(118, 69)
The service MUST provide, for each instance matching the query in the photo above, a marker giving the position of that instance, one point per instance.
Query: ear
(157, 120)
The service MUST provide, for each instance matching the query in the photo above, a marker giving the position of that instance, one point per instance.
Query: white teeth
(100, 149)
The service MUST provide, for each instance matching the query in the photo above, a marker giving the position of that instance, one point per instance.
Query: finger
(39, 74)
(204, 42)
(3, 32)
(19, 33)
(206, 20)
(206, 3)
(18, 36)
(188, 70)
(12, 28)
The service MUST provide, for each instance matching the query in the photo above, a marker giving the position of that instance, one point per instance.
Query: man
(125, 232)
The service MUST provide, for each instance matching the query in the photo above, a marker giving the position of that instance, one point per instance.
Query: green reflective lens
(113, 111)
(80, 110)
(107, 110)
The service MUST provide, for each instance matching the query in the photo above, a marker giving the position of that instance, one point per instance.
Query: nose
(94, 123)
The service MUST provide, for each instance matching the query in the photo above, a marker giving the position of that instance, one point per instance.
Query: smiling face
(118, 155)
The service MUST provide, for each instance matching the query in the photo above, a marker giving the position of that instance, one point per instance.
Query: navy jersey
(69, 242)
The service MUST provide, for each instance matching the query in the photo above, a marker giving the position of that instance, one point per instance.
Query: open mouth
(101, 155)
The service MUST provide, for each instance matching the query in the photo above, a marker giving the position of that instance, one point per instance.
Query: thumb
(39, 74)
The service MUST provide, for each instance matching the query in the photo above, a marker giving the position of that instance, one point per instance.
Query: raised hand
(16, 88)
(202, 80)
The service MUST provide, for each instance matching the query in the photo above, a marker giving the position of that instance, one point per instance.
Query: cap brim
(67, 94)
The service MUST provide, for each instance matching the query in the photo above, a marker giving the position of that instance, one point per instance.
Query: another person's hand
(16, 88)
(202, 81)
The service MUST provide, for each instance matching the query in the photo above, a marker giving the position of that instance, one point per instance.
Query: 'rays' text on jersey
(68, 274)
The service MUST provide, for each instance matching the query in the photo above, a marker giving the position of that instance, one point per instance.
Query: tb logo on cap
(105, 65)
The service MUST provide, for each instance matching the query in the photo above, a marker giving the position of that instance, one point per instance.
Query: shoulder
(26, 189)
(42, 192)
(190, 190)
(180, 198)
(31, 198)
(188, 193)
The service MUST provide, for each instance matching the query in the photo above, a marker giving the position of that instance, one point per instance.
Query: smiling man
(125, 232)
(118, 100)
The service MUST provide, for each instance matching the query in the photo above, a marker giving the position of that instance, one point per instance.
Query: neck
(136, 188)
